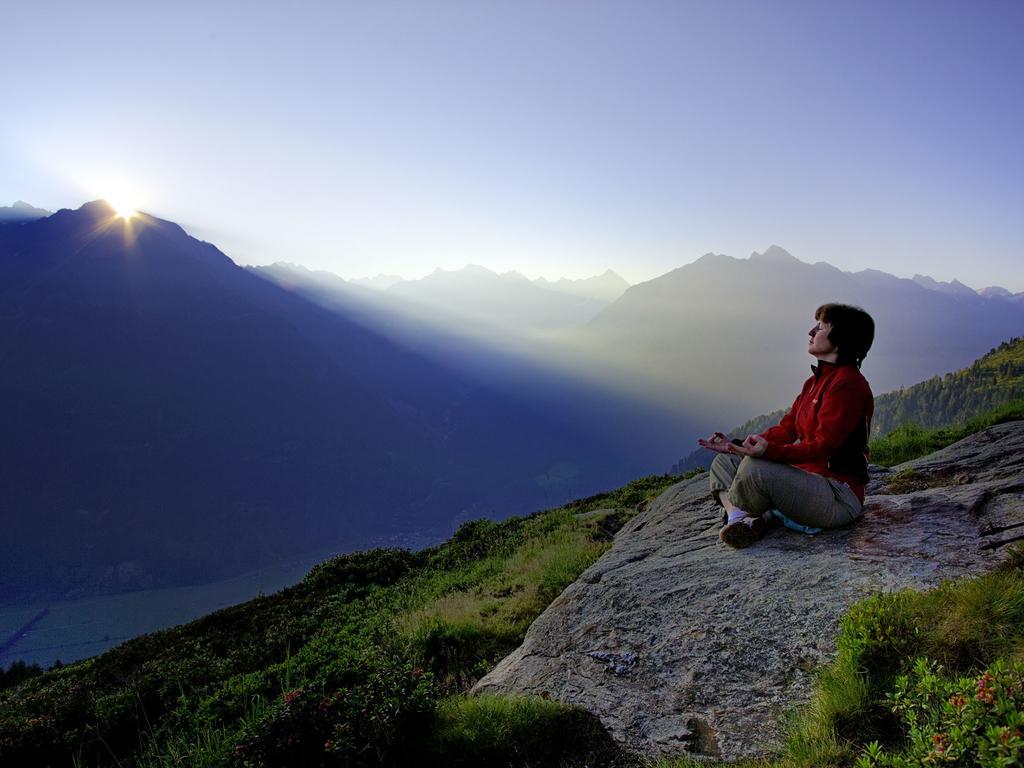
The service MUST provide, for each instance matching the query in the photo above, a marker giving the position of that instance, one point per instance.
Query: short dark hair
(852, 332)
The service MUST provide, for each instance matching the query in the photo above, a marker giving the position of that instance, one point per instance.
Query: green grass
(911, 441)
(460, 623)
(511, 731)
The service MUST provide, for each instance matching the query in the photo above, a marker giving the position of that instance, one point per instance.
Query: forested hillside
(992, 381)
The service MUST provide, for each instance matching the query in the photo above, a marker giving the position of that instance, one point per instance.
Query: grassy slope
(910, 441)
(360, 663)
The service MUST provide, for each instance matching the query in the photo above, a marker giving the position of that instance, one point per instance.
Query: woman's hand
(718, 443)
(754, 445)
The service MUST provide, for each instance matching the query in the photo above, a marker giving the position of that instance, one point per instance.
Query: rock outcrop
(681, 645)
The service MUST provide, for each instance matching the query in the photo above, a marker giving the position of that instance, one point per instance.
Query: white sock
(737, 514)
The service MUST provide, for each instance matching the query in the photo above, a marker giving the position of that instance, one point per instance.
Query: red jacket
(826, 431)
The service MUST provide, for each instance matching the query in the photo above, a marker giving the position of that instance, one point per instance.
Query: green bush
(966, 721)
(362, 570)
(368, 724)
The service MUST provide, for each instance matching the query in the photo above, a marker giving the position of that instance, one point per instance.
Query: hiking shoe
(744, 532)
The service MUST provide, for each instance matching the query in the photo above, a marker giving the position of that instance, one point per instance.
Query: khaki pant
(757, 485)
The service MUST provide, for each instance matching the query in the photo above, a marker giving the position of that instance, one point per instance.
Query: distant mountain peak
(606, 287)
(776, 255)
(290, 265)
(468, 270)
(709, 257)
(22, 211)
(954, 287)
(995, 291)
(97, 206)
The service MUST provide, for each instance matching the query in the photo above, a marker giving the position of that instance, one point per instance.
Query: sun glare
(123, 209)
(122, 196)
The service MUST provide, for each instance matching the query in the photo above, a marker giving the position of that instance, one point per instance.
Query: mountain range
(175, 418)
(478, 298)
(21, 211)
(738, 328)
(606, 287)
(178, 418)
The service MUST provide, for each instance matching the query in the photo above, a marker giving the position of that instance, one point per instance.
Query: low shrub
(361, 571)
(371, 723)
(975, 720)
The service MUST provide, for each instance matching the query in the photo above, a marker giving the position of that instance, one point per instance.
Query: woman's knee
(752, 488)
(752, 468)
(722, 471)
(723, 463)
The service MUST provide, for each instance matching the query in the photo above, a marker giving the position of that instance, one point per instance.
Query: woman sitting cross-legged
(812, 466)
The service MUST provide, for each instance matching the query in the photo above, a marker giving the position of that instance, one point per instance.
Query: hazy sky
(556, 138)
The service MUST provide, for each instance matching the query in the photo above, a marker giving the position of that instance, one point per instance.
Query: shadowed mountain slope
(539, 369)
(175, 418)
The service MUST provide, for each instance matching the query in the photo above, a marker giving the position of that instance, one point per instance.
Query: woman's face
(819, 345)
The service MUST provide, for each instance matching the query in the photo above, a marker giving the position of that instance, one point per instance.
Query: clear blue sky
(556, 138)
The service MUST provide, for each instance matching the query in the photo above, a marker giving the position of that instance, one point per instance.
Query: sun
(123, 196)
(123, 208)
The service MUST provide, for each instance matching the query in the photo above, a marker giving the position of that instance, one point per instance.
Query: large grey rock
(680, 644)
